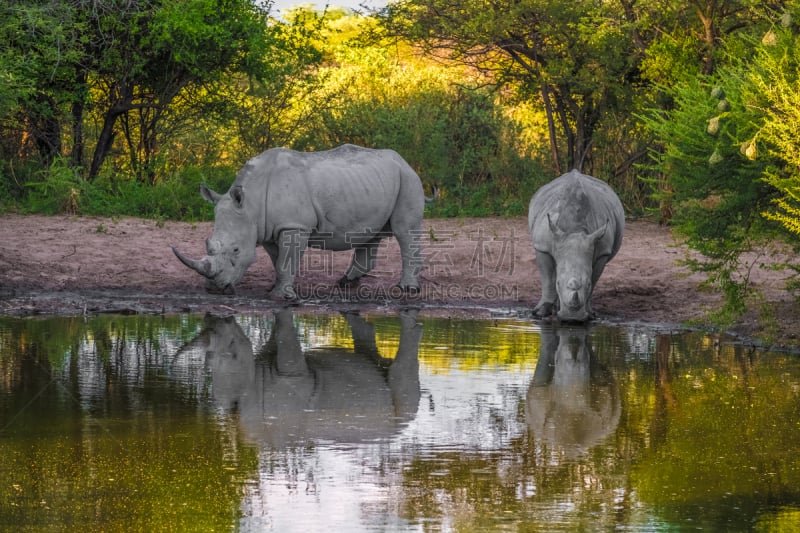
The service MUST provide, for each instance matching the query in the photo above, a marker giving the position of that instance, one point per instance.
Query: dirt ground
(482, 266)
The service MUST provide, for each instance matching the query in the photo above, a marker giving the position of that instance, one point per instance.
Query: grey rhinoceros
(576, 223)
(347, 197)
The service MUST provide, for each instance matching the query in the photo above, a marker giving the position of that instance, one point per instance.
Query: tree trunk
(551, 129)
(78, 107)
(104, 143)
(47, 130)
(106, 140)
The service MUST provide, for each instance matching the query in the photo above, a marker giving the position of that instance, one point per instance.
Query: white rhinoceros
(348, 197)
(576, 224)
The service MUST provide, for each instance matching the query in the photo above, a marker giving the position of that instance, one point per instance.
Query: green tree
(577, 58)
(39, 49)
(273, 110)
(726, 145)
(143, 71)
(715, 187)
(775, 77)
(163, 51)
(443, 119)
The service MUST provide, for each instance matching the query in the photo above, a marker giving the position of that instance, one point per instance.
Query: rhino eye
(236, 250)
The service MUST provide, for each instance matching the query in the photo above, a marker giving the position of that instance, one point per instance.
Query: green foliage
(270, 110)
(774, 76)
(716, 189)
(62, 189)
(123, 81)
(176, 197)
(727, 147)
(451, 130)
(568, 56)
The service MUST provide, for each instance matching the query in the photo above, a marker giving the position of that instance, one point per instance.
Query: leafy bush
(452, 131)
(58, 189)
(775, 77)
(715, 183)
(62, 189)
(729, 151)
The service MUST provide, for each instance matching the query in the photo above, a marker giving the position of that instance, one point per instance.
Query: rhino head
(231, 248)
(574, 257)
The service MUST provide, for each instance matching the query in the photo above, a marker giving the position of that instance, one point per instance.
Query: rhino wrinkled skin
(345, 198)
(285, 395)
(573, 402)
(576, 223)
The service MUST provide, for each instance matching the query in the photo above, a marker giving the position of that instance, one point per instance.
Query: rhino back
(345, 190)
(576, 202)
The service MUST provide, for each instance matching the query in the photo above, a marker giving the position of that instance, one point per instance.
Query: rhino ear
(208, 194)
(597, 234)
(553, 229)
(237, 194)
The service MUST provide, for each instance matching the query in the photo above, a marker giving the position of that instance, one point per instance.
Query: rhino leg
(283, 348)
(411, 254)
(363, 261)
(547, 273)
(290, 247)
(279, 290)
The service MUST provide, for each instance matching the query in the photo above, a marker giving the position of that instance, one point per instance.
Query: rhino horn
(202, 266)
(575, 301)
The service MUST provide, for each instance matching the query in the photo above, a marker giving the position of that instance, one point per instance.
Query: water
(293, 422)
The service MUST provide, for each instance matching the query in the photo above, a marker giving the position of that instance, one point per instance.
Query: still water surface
(293, 422)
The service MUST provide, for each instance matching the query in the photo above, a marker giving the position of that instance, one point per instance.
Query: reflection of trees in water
(87, 356)
(723, 433)
(95, 433)
(701, 424)
(703, 429)
(572, 406)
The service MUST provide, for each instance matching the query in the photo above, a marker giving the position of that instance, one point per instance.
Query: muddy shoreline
(63, 265)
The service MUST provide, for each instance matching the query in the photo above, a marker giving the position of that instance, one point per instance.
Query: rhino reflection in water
(573, 403)
(284, 395)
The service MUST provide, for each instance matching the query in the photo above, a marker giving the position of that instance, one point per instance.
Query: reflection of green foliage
(121, 450)
(116, 475)
(472, 344)
(101, 427)
(446, 343)
(60, 337)
(326, 330)
(730, 435)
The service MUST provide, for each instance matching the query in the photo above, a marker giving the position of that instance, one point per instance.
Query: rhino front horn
(202, 266)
